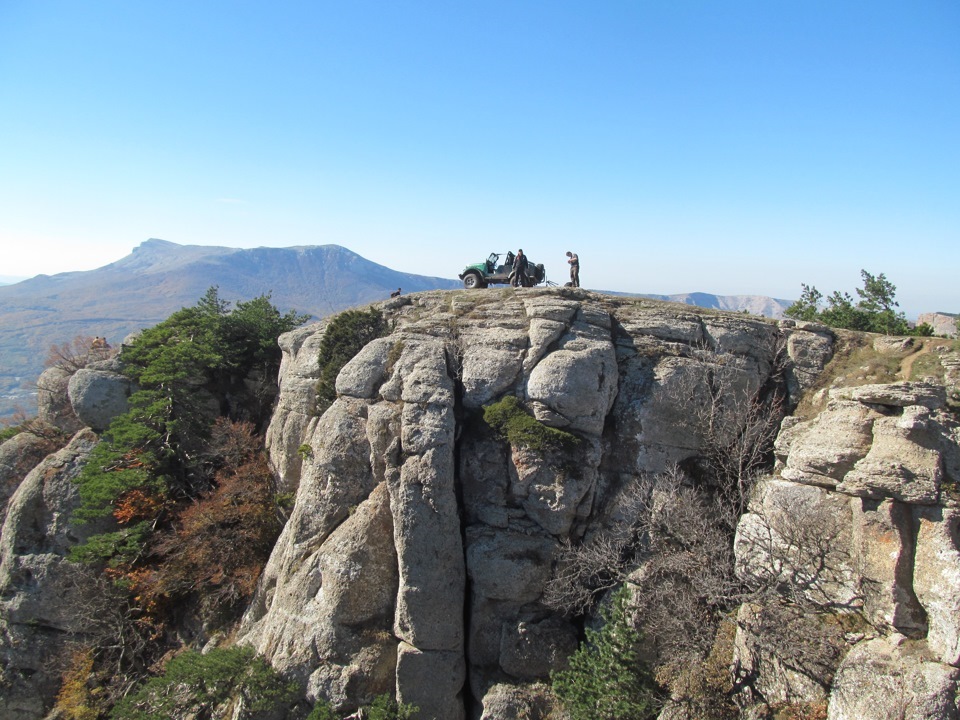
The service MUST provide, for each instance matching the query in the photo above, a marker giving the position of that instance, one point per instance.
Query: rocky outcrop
(862, 518)
(18, 456)
(421, 540)
(98, 393)
(452, 572)
(46, 601)
(942, 323)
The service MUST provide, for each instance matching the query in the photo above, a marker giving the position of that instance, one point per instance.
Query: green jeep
(493, 272)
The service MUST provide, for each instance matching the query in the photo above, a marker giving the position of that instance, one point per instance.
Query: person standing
(519, 269)
(574, 260)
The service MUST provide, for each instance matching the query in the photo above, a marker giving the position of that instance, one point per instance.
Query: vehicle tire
(472, 280)
(539, 274)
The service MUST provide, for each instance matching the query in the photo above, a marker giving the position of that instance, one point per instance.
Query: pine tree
(606, 679)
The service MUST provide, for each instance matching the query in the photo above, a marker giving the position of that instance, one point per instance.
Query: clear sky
(734, 147)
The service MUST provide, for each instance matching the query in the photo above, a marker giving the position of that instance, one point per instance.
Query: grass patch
(855, 362)
(521, 429)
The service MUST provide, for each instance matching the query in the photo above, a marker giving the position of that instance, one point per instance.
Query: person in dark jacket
(519, 270)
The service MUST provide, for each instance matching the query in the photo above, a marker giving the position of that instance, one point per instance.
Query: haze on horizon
(733, 148)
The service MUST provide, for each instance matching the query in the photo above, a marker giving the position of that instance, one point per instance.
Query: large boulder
(831, 445)
(890, 679)
(18, 456)
(98, 394)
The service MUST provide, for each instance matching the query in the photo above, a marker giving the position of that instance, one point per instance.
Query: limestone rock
(574, 386)
(431, 680)
(468, 512)
(508, 566)
(531, 650)
(294, 417)
(809, 347)
(892, 345)
(883, 553)
(518, 702)
(99, 395)
(888, 679)
(799, 537)
(40, 590)
(903, 461)
(18, 456)
(902, 394)
(53, 402)
(832, 444)
(936, 578)
(767, 662)
(363, 375)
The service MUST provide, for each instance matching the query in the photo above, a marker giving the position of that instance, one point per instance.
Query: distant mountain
(160, 277)
(753, 304)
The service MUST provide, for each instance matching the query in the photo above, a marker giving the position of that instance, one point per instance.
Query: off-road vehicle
(493, 272)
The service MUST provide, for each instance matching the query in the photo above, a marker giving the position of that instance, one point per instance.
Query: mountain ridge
(159, 277)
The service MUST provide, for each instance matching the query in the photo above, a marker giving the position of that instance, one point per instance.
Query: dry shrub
(218, 545)
(75, 701)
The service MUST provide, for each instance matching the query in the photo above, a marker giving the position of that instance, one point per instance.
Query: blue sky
(730, 147)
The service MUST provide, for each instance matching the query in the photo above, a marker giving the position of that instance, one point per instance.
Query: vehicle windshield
(493, 258)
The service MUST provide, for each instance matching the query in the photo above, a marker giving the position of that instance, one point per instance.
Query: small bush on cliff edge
(345, 336)
(196, 685)
(521, 429)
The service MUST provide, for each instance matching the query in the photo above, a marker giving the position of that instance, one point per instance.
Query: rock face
(42, 594)
(417, 553)
(942, 323)
(98, 393)
(421, 541)
(862, 517)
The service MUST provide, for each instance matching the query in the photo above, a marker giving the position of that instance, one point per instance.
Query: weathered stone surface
(40, 590)
(936, 578)
(941, 322)
(53, 401)
(575, 385)
(550, 488)
(895, 394)
(530, 650)
(488, 372)
(890, 680)
(98, 396)
(809, 347)
(832, 444)
(903, 461)
(518, 702)
(799, 537)
(672, 326)
(883, 551)
(294, 417)
(406, 501)
(363, 375)
(432, 681)
(892, 344)
(775, 677)
(740, 336)
(508, 566)
(18, 456)
(790, 429)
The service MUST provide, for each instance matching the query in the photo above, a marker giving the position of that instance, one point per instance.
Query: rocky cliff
(422, 541)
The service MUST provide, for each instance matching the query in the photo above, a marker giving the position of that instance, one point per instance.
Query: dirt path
(906, 365)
